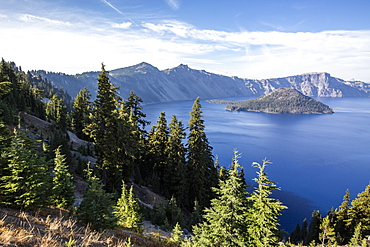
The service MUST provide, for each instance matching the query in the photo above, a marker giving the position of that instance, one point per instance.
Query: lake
(315, 158)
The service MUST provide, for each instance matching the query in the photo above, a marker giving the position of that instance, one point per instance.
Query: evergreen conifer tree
(225, 221)
(82, 108)
(356, 238)
(27, 181)
(264, 211)
(132, 113)
(157, 152)
(342, 229)
(202, 171)
(127, 210)
(314, 228)
(63, 194)
(56, 111)
(177, 234)
(295, 236)
(174, 178)
(107, 134)
(327, 234)
(359, 212)
(133, 106)
(96, 208)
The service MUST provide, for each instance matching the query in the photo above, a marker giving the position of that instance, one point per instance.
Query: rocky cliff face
(184, 83)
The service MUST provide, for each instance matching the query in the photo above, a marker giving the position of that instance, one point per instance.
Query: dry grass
(53, 228)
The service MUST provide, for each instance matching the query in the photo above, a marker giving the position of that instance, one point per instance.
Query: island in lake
(282, 100)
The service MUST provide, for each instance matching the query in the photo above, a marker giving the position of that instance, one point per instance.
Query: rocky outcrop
(184, 83)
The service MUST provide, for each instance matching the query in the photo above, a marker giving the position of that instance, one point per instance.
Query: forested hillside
(203, 202)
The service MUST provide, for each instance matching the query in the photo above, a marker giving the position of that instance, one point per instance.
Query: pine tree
(343, 231)
(27, 182)
(177, 234)
(56, 111)
(127, 210)
(225, 221)
(132, 113)
(174, 178)
(356, 239)
(106, 132)
(203, 174)
(327, 234)
(295, 236)
(314, 228)
(157, 152)
(304, 230)
(82, 108)
(133, 106)
(264, 211)
(96, 208)
(63, 194)
(359, 212)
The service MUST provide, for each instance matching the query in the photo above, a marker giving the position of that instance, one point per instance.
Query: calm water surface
(315, 158)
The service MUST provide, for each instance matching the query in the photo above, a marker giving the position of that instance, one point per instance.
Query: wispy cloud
(167, 43)
(123, 25)
(174, 4)
(116, 9)
(33, 18)
(111, 5)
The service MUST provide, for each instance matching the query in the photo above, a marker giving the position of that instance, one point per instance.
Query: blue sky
(245, 38)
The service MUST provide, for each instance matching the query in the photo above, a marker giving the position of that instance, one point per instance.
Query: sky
(255, 39)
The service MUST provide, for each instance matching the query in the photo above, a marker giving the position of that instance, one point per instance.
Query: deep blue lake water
(315, 158)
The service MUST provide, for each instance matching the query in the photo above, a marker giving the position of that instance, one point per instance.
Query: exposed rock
(184, 83)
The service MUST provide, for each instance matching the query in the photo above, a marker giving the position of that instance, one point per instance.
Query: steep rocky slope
(184, 83)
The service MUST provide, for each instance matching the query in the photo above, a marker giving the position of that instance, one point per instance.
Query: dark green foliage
(62, 190)
(165, 214)
(18, 94)
(96, 209)
(264, 210)
(56, 112)
(226, 220)
(342, 229)
(131, 113)
(282, 100)
(133, 106)
(295, 236)
(299, 234)
(47, 88)
(27, 182)
(158, 152)
(174, 178)
(82, 108)
(314, 228)
(109, 133)
(203, 174)
(359, 212)
(127, 210)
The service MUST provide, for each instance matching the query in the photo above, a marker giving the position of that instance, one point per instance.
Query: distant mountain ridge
(183, 83)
